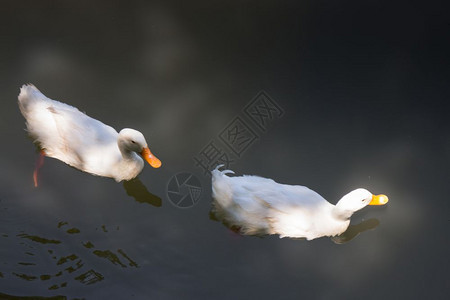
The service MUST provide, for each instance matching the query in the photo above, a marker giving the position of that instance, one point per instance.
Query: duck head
(131, 140)
(356, 200)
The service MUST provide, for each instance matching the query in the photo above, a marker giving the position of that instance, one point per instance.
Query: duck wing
(62, 130)
(254, 191)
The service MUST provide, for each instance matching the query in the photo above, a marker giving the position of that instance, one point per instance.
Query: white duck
(257, 205)
(65, 133)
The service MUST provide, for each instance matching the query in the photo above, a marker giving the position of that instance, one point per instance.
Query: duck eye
(133, 142)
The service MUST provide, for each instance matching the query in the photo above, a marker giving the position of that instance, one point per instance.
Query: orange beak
(379, 200)
(150, 158)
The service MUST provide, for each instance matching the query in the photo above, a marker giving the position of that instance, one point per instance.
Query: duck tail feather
(216, 171)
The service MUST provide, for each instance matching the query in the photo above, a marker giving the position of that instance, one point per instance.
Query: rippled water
(360, 94)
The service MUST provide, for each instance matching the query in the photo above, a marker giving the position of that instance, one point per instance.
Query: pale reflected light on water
(351, 232)
(363, 93)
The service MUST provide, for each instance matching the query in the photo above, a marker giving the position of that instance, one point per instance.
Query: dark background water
(364, 90)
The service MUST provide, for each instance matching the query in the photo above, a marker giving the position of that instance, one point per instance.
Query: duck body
(260, 206)
(65, 133)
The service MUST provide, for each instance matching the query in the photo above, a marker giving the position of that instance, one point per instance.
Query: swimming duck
(256, 206)
(65, 133)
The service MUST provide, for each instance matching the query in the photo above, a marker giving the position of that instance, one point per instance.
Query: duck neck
(127, 154)
(130, 165)
(342, 214)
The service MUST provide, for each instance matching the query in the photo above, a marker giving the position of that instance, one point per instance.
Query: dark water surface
(357, 95)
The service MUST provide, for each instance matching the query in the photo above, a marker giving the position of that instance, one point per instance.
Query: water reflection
(38, 239)
(11, 297)
(354, 230)
(89, 277)
(76, 265)
(136, 189)
(114, 259)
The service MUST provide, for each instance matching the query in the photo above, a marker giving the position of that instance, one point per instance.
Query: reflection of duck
(353, 230)
(136, 189)
(259, 205)
(65, 133)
